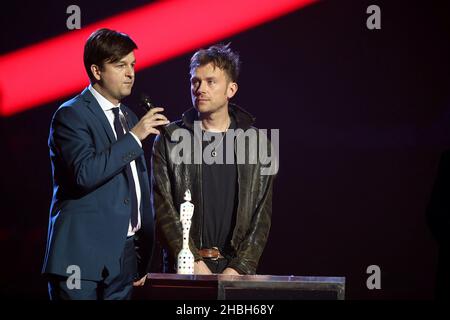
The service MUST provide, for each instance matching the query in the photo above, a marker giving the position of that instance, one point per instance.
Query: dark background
(363, 116)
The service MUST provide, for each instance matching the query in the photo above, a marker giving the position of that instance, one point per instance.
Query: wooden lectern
(168, 286)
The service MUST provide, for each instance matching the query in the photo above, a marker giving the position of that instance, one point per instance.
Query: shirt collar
(104, 103)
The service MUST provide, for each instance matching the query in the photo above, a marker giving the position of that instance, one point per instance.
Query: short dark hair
(105, 45)
(220, 56)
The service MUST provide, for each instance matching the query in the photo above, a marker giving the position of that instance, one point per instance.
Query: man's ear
(96, 72)
(232, 89)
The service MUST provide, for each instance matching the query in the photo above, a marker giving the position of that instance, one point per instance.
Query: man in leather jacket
(232, 199)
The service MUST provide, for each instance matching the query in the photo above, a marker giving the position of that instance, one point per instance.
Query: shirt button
(126, 201)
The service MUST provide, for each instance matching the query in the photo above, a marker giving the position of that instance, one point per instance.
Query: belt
(210, 253)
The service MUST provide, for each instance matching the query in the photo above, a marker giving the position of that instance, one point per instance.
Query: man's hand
(200, 267)
(148, 122)
(230, 271)
(140, 283)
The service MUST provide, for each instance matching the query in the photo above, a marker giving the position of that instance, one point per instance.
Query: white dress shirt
(107, 107)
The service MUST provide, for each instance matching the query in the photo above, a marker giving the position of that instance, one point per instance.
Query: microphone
(147, 105)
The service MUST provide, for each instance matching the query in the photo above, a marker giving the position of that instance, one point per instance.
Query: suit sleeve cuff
(137, 139)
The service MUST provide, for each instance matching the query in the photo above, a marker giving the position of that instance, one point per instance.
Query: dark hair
(106, 45)
(220, 56)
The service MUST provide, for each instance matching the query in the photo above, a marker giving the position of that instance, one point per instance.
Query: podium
(169, 286)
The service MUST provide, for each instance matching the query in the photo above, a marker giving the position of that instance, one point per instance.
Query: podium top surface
(225, 287)
(247, 278)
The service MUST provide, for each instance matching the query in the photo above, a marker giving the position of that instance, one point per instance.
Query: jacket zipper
(201, 197)
(200, 178)
(238, 188)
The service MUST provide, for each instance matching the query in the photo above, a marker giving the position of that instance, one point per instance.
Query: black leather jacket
(170, 181)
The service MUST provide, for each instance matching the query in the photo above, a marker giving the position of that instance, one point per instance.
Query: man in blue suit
(100, 235)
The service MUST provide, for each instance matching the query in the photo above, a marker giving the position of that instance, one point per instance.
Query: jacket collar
(104, 103)
(95, 108)
(244, 119)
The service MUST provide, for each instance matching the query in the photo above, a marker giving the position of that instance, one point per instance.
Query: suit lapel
(131, 122)
(95, 108)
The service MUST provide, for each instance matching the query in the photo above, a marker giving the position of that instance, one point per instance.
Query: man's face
(211, 88)
(116, 79)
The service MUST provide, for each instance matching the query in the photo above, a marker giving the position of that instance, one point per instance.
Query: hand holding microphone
(152, 122)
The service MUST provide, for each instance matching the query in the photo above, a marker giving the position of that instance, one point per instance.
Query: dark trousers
(112, 287)
(216, 266)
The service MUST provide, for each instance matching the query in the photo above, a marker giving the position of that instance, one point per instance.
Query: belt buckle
(216, 258)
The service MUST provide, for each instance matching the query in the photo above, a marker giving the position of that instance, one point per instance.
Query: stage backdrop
(363, 118)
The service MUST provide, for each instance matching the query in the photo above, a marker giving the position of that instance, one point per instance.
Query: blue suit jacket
(90, 209)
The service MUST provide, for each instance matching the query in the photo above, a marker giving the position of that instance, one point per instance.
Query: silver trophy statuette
(185, 256)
